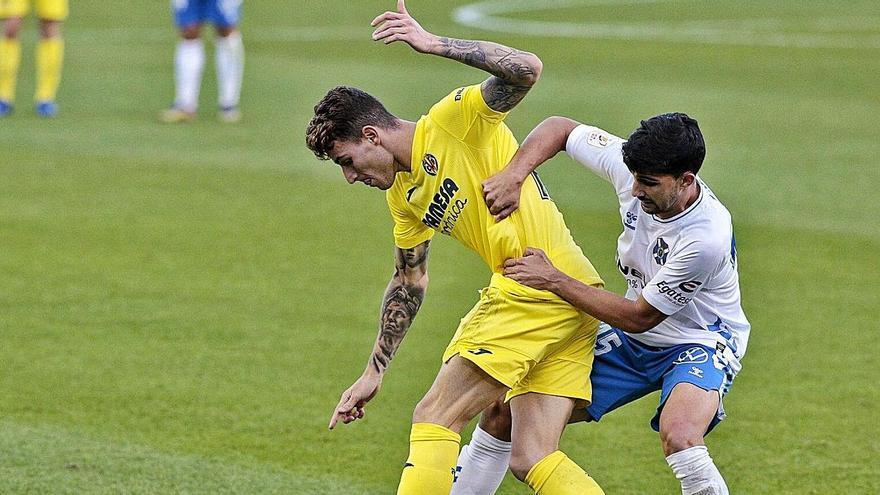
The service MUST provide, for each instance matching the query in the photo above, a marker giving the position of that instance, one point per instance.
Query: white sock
(482, 465)
(189, 62)
(230, 68)
(696, 472)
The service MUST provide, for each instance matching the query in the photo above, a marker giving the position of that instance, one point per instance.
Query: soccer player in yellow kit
(529, 344)
(50, 52)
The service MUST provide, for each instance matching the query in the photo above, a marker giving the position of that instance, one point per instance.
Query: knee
(431, 410)
(190, 32)
(50, 29)
(521, 462)
(526, 453)
(424, 411)
(495, 420)
(676, 437)
(520, 466)
(224, 32)
(12, 28)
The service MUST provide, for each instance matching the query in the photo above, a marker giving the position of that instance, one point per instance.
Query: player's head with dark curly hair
(354, 130)
(666, 144)
(341, 116)
(664, 155)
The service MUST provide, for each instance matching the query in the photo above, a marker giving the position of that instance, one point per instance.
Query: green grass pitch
(180, 307)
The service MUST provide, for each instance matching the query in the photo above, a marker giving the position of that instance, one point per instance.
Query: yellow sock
(556, 474)
(50, 58)
(10, 56)
(433, 452)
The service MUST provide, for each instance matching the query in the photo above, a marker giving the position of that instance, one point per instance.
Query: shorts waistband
(513, 287)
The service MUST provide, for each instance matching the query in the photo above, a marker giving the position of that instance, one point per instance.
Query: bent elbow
(536, 67)
(639, 328)
(643, 324)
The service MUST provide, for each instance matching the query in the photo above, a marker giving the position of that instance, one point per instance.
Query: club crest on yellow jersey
(430, 164)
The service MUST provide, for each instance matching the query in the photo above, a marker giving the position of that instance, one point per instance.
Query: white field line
(825, 32)
(288, 34)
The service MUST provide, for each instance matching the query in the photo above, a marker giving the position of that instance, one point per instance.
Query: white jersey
(684, 266)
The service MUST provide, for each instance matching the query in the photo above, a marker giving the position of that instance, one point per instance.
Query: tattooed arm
(401, 302)
(513, 72)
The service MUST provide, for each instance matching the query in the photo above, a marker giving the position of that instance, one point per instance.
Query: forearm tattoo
(400, 304)
(512, 69)
(414, 258)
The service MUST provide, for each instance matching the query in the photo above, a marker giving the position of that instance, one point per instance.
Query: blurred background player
(49, 53)
(189, 58)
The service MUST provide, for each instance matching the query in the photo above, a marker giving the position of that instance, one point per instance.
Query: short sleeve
(409, 231)
(465, 114)
(601, 152)
(684, 274)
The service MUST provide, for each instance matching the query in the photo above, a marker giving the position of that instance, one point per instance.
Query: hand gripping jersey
(457, 145)
(684, 266)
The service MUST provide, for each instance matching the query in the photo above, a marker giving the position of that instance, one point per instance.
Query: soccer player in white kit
(680, 328)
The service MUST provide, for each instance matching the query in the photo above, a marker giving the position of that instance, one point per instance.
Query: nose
(637, 190)
(350, 175)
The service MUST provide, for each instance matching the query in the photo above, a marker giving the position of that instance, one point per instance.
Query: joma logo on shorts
(477, 352)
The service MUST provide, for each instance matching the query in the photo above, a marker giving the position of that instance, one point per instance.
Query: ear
(688, 178)
(371, 134)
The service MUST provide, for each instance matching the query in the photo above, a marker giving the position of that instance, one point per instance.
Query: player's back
(457, 145)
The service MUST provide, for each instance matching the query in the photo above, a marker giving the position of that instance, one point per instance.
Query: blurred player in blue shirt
(189, 58)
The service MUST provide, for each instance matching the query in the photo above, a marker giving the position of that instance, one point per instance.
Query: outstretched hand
(400, 26)
(501, 193)
(351, 404)
(534, 269)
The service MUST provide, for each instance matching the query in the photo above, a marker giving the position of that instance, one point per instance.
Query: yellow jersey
(457, 145)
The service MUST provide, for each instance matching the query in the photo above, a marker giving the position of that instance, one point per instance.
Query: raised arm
(502, 190)
(513, 72)
(401, 302)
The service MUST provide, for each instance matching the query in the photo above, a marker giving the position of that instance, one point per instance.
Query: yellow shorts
(528, 343)
(50, 10)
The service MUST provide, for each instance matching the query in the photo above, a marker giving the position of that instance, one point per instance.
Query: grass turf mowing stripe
(44, 459)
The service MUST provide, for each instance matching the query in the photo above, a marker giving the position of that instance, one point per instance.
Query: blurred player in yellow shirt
(50, 52)
(530, 345)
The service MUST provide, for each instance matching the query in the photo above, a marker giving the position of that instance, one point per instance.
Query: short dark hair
(341, 114)
(666, 144)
